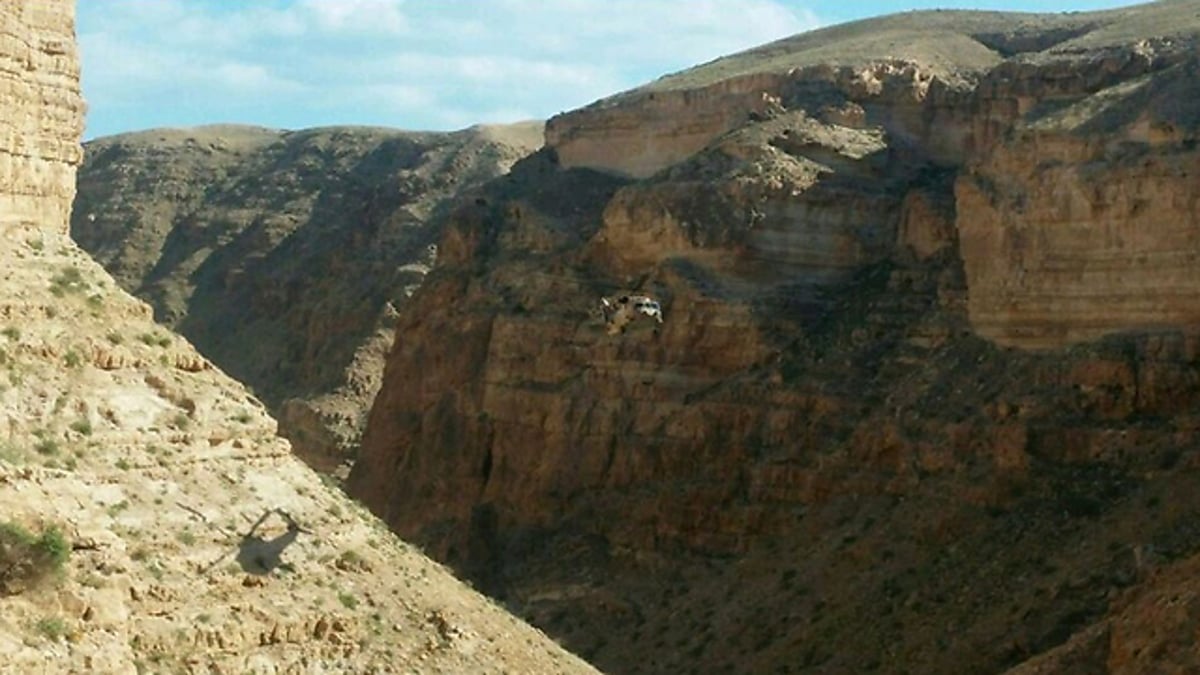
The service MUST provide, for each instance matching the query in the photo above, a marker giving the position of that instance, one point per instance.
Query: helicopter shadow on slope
(259, 555)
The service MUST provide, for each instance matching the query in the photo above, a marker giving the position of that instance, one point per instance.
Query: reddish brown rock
(830, 456)
(1079, 223)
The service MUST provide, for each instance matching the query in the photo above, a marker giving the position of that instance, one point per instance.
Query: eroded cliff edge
(929, 359)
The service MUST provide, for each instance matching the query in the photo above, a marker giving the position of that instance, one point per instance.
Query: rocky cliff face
(1096, 235)
(198, 542)
(922, 398)
(284, 255)
(39, 148)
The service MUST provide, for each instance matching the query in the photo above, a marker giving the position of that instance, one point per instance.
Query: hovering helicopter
(623, 310)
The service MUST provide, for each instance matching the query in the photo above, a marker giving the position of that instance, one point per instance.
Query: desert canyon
(924, 398)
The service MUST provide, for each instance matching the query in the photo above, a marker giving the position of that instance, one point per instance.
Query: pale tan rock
(39, 137)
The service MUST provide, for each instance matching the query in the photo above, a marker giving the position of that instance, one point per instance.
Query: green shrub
(73, 359)
(152, 340)
(47, 446)
(68, 280)
(52, 628)
(27, 559)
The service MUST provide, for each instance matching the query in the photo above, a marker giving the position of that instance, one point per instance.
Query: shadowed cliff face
(909, 411)
(284, 255)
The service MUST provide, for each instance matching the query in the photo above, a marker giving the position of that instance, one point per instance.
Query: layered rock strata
(861, 439)
(39, 138)
(1082, 222)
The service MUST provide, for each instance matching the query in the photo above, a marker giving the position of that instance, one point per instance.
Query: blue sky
(418, 64)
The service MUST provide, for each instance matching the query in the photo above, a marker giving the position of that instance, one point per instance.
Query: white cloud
(416, 64)
(396, 98)
(356, 16)
(251, 78)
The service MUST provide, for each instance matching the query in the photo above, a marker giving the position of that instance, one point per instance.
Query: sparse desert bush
(153, 340)
(68, 280)
(351, 561)
(73, 359)
(46, 446)
(51, 628)
(27, 559)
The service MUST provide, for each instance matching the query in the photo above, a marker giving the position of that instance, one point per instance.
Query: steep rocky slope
(924, 396)
(200, 543)
(283, 255)
(168, 479)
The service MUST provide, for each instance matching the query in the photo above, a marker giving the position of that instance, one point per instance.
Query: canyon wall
(1110, 121)
(662, 129)
(284, 255)
(904, 380)
(1082, 222)
(39, 136)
